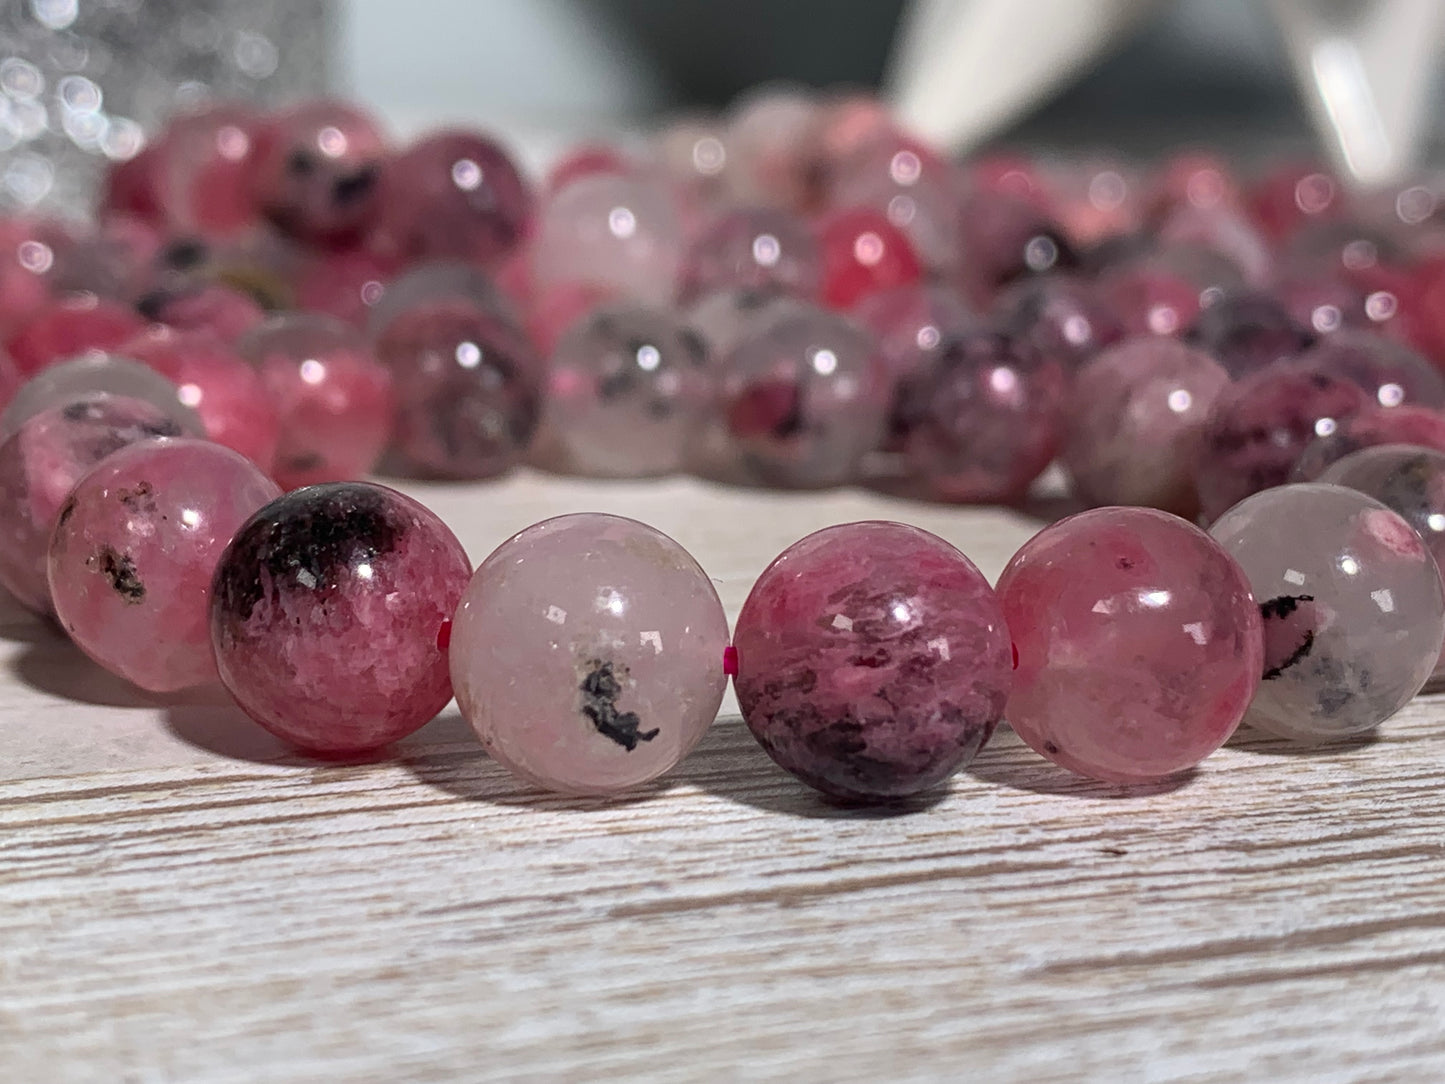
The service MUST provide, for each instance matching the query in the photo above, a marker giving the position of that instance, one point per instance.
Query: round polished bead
(1136, 417)
(69, 326)
(727, 317)
(348, 284)
(213, 380)
(774, 148)
(334, 401)
(1221, 233)
(911, 184)
(1138, 644)
(1260, 426)
(588, 654)
(1354, 611)
(619, 234)
(468, 386)
(984, 421)
(1059, 317)
(133, 552)
(134, 186)
(1292, 195)
(94, 374)
(586, 160)
(318, 165)
(805, 398)
(628, 389)
(1389, 372)
(691, 153)
(40, 464)
(119, 259)
(863, 253)
(1005, 239)
(873, 660)
(1372, 426)
(455, 194)
(751, 248)
(327, 614)
(224, 311)
(208, 170)
(28, 252)
(1149, 299)
(1408, 480)
(1247, 332)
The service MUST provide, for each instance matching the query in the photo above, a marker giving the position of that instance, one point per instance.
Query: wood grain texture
(181, 899)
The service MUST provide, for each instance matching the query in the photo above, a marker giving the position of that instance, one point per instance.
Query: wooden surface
(182, 900)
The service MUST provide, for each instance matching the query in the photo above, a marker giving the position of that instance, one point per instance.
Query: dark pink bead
(1139, 644)
(218, 384)
(910, 183)
(1006, 173)
(133, 186)
(1245, 332)
(1389, 372)
(40, 464)
(552, 311)
(753, 248)
(1371, 427)
(1150, 300)
(208, 170)
(1291, 195)
(1261, 424)
(28, 253)
(70, 326)
(873, 661)
(347, 284)
(325, 614)
(584, 161)
(1197, 179)
(1059, 317)
(1324, 304)
(863, 253)
(455, 194)
(1096, 200)
(1005, 238)
(318, 165)
(848, 122)
(985, 421)
(10, 380)
(335, 402)
(223, 311)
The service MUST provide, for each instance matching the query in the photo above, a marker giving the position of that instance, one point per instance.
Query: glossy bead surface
(1389, 372)
(1138, 642)
(804, 398)
(1060, 318)
(28, 251)
(135, 546)
(628, 389)
(93, 374)
(69, 326)
(41, 463)
(348, 284)
(615, 233)
(454, 194)
(1005, 239)
(223, 311)
(1372, 426)
(911, 184)
(1247, 332)
(863, 253)
(208, 170)
(1354, 611)
(873, 660)
(334, 401)
(774, 147)
(760, 249)
(326, 612)
(1261, 425)
(1135, 420)
(587, 654)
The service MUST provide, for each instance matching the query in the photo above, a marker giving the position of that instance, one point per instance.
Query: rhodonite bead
(1354, 611)
(41, 463)
(1260, 426)
(93, 374)
(1245, 332)
(628, 388)
(873, 660)
(1135, 419)
(586, 160)
(9, 379)
(1408, 480)
(317, 170)
(334, 401)
(1138, 644)
(1371, 427)
(618, 234)
(863, 253)
(28, 253)
(328, 616)
(207, 170)
(1150, 299)
(1005, 238)
(223, 311)
(1389, 372)
(587, 653)
(984, 421)
(1058, 317)
(212, 379)
(69, 326)
(133, 552)
(454, 194)
(804, 398)
(912, 185)
(753, 248)
(348, 284)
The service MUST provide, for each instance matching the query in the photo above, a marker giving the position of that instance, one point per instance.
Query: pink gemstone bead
(119, 260)
(1354, 611)
(1245, 332)
(223, 311)
(96, 374)
(1138, 644)
(691, 153)
(208, 170)
(850, 121)
(1195, 179)
(552, 312)
(455, 194)
(618, 234)
(1371, 427)
(132, 186)
(40, 464)
(863, 253)
(588, 654)
(985, 421)
(1223, 233)
(586, 160)
(1058, 317)
(1389, 372)
(911, 184)
(628, 389)
(327, 616)
(28, 254)
(873, 660)
(753, 249)
(217, 383)
(70, 326)
(1005, 238)
(135, 546)
(805, 398)
(1325, 305)
(1292, 195)
(347, 284)
(1150, 300)
(1097, 200)
(9, 380)
(1259, 427)
(317, 168)
(774, 148)
(1135, 421)
(334, 400)
(727, 317)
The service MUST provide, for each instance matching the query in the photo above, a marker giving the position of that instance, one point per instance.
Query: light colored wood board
(183, 900)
